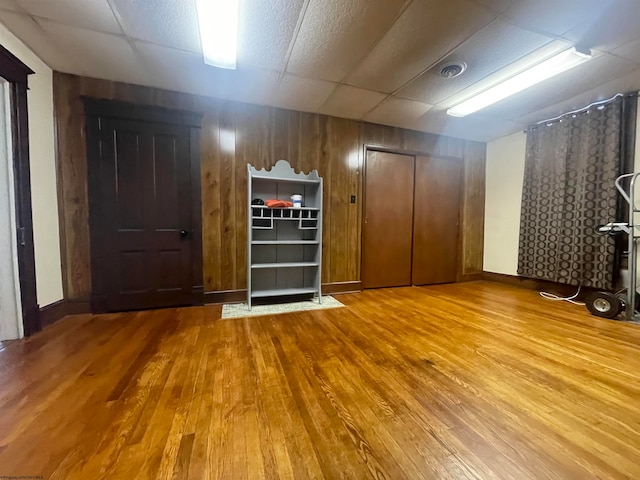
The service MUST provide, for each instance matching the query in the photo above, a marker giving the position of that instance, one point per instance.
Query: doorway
(145, 214)
(411, 220)
(15, 74)
(11, 326)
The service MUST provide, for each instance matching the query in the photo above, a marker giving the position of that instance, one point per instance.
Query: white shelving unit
(284, 245)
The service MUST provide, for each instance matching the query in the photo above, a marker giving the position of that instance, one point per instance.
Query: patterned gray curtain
(568, 190)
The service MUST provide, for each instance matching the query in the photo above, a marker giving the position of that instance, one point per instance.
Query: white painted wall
(10, 311)
(504, 177)
(636, 153)
(505, 174)
(43, 171)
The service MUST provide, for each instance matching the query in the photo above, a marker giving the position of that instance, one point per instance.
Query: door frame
(364, 203)
(97, 108)
(14, 71)
(377, 148)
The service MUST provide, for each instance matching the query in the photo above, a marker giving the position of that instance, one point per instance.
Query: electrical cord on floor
(557, 298)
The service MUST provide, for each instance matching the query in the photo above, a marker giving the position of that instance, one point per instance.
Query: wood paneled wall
(234, 134)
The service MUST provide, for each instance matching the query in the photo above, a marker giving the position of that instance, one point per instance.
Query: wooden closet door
(388, 220)
(438, 184)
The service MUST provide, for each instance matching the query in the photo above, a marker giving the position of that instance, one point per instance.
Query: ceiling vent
(453, 70)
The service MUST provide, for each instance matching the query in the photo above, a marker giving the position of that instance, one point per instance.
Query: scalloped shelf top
(282, 169)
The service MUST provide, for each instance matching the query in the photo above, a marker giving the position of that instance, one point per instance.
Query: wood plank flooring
(5, 343)
(474, 380)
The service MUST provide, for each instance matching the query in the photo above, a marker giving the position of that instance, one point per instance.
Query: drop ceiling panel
(630, 51)
(615, 26)
(94, 14)
(398, 111)
(624, 84)
(477, 127)
(248, 85)
(171, 68)
(185, 71)
(165, 22)
(100, 55)
(379, 46)
(335, 35)
(304, 94)
(10, 5)
(25, 27)
(351, 102)
(596, 72)
(496, 5)
(243, 85)
(265, 32)
(557, 17)
(506, 44)
(508, 71)
(426, 32)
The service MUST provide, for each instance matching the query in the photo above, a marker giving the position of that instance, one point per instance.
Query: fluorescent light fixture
(218, 23)
(559, 63)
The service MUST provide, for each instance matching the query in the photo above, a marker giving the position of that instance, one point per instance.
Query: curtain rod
(583, 109)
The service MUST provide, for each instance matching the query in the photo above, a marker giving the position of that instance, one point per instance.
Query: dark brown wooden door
(142, 210)
(436, 220)
(388, 220)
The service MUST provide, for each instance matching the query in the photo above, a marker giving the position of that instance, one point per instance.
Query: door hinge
(22, 236)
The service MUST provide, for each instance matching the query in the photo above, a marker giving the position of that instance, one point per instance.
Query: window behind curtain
(570, 168)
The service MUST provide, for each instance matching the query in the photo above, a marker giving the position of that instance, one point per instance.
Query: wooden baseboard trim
(561, 289)
(470, 277)
(198, 296)
(225, 296)
(238, 296)
(50, 314)
(337, 288)
(78, 307)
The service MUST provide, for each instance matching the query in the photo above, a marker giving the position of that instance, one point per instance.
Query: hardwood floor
(474, 380)
(5, 343)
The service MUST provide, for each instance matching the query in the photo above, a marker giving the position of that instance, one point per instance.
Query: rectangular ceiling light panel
(218, 23)
(548, 68)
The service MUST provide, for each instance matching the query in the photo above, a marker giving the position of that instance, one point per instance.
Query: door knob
(184, 233)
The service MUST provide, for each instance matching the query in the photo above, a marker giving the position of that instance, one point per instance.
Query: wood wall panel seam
(473, 208)
(240, 295)
(259, 134)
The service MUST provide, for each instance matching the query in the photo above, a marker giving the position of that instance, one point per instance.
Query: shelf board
(285, 242)
(283, 179)
(264, 207)
(285, 265)
(285, 218)
(282, 291)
